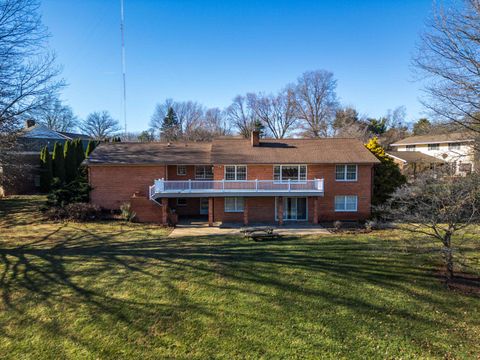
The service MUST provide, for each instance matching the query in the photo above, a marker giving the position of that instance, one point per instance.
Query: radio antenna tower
(122, 30)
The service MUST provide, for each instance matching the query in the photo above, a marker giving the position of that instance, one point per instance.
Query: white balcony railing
(166, 187)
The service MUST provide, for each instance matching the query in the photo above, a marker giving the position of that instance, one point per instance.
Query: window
(433, 147)
(290, 172)
(411, 147)
(235, 172)
(204, 172)
(233, 204)
(346, 203)
(454, 146)
(346, 173)
(182, 202)
(181, 170)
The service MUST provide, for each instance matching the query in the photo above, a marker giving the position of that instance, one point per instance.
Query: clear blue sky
(210, 51)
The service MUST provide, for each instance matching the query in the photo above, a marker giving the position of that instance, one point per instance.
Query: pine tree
(258, 126)
(387, 176)
(46, 170)
(70, 161)
(58, 162)
(170, 130)
(90, 147)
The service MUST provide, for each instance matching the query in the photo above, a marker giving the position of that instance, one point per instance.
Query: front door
(203, 206)
(295, 208)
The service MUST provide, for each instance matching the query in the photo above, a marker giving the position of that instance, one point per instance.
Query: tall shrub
(70, 161)
(58, 162)
(79, 152)
(46, 175)
(387, 176)
(90, 147)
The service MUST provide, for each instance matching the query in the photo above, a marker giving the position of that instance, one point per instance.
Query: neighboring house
(236, 180)
(454, 149)
(24, 173)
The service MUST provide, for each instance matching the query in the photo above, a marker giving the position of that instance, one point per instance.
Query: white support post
(223, 184)
(289, 187)
(256, 184)
(190, 185)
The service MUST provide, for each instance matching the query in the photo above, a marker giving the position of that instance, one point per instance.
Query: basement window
(234, 204)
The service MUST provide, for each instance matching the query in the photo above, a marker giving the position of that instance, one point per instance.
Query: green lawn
(114, 290)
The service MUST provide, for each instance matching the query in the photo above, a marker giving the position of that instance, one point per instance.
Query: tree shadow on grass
(71, 270)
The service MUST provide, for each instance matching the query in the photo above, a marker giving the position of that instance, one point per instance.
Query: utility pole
(122, 30)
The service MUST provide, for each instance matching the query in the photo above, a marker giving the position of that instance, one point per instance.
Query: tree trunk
(448, 254)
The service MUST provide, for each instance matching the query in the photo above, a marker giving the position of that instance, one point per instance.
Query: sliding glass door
(294, 208)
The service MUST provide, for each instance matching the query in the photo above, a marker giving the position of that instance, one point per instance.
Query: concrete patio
(201, 228)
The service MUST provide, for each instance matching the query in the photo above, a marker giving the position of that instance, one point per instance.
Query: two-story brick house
(236, 180)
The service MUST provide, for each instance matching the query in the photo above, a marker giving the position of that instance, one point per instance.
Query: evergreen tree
(58, 162)
(387, 176)
(79, 153)
(422, 127)
(70, 161)
(170, 130)
(258, 126)
(90, 147)
(46, 175)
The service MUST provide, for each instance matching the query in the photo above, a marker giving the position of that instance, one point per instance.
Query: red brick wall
(260, 209)
(146, 210)
(172, 173)
(114, 185)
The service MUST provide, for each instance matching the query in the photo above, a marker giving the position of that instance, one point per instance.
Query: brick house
(22, 174)
(236, 180)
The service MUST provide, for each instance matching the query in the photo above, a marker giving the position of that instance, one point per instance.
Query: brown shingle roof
(436, 138)
(291, 151)
(236, 151)
(150, 153)
(414, 157)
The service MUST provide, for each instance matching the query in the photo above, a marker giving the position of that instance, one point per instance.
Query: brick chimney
(255, 138)
(29, 123)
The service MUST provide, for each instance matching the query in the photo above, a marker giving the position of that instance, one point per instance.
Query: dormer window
(433, 147)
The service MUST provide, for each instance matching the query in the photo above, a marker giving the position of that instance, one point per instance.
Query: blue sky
(210, 51)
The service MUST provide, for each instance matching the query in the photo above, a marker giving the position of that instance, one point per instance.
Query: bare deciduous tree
(241, 116)
(276, 112)
(316, 102)
(348, 124)
(448, 58)
(439, 207)
(57, 116)
(100, 125)
(27, 72)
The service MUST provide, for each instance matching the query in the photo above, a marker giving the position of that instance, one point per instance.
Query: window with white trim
(454, 146)
(290, 172)
(433, 147)
(181, 170)
(235, 172)
(204, 172)
(346, 172)
(234, 204)
(182, 201)
(346, 203)
(411, 147)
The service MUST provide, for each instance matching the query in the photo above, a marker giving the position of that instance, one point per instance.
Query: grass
(116, 290)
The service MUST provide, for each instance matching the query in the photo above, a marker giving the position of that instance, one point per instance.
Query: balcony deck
(221, 188)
